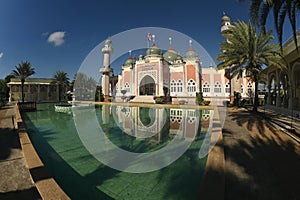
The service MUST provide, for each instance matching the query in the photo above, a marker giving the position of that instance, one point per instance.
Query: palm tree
(260, 9)
(248, 51)
(61, 79)
(22, 71)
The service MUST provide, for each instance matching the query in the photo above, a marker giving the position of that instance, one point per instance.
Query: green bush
(2, 101)
(261, 102)
(199, 98)
(206, 103)
(159, 100)
(182, 102)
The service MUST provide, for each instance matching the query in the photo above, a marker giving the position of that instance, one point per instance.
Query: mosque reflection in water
(157, 124)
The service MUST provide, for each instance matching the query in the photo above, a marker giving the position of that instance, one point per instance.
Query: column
(48, 92)
(57, 93)
(28, 93)
(278, 99)
(38, 93)
(269, 98)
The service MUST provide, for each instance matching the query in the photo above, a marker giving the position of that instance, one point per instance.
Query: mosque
(169, 74)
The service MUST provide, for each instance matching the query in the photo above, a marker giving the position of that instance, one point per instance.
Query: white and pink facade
(160, 74)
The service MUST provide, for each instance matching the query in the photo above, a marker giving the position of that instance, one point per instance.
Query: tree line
(87, 86)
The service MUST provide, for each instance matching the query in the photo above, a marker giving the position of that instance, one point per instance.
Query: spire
(153, 38)
(191, 45)
(226, 23)
(171, 47)
(130, 56)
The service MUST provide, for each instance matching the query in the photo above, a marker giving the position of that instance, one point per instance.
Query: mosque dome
(191, 54)
(171, 55)
(130, 61)
(108, 41)
(225, 19)
(153, 51)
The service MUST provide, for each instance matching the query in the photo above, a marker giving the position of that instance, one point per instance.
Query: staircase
(143, 99)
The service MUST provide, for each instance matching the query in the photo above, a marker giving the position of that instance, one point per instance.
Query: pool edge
(213, 182)
(44, 182)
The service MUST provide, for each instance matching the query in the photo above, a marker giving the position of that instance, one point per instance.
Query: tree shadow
(9, 139)
(28, 194)
(260, 162)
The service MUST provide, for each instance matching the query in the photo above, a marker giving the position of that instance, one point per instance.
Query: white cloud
(57, 38)
(1, 54)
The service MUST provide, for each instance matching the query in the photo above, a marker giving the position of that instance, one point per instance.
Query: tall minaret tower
(226, 23)
(234, 82)
(106, 71)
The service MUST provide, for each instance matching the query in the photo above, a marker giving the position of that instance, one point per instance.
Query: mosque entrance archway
(147, 86)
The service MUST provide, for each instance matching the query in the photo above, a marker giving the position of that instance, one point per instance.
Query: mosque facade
(170, 74)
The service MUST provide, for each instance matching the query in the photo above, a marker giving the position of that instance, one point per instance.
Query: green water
(83, 177)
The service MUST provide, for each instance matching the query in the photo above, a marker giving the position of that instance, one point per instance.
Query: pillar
(105, 86)
(38, 93)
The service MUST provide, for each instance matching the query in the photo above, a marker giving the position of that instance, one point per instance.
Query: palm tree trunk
(22, 90)
(255, 94)
(59, 92)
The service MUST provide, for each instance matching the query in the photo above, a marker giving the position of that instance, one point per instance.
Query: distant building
(36, 89)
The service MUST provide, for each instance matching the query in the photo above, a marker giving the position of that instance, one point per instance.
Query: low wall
(45, 184)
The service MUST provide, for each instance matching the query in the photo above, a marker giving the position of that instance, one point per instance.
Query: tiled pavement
(15, 181)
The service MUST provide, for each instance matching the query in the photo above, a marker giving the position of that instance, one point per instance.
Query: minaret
(234, 81)
(106, 71)
(226, 23)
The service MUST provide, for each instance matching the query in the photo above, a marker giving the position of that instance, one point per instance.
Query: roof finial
(224, 13)
(191, 45)
(129, 52)
(171, 47)
(153, 38)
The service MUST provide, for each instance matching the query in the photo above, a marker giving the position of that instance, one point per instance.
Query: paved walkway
(261, 162)
(15, 180)
(283, 119)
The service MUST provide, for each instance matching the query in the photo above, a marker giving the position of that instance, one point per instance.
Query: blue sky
(26, 27)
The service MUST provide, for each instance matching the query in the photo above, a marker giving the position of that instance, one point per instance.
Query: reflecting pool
(138, 130)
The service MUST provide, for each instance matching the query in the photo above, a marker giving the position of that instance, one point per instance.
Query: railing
(27, 106)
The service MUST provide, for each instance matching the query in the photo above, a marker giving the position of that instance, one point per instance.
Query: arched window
(127, 86)
(206, 87)
(191, 86)
(250, 89)
(173, 86)
(227, 88)
(176, 115)
(217, 88)
(43, 88)
(15, 88)
(205, 114)
(179, 86)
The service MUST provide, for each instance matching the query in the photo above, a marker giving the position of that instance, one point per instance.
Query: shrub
(159, 100)
(182, 102)
(199, 98)
(261, 102)
(206, 103)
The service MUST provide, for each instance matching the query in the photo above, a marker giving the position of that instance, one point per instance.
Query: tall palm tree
(248, 51)
(61, 79)
(23, 71)
(260, 9)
